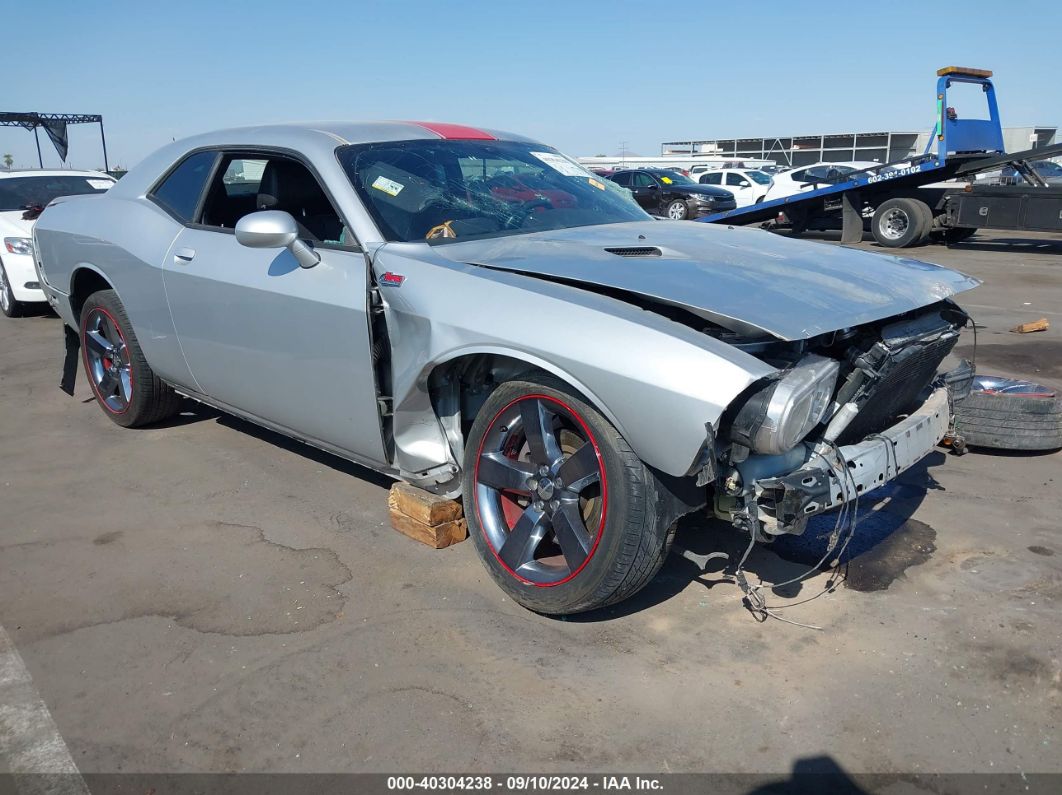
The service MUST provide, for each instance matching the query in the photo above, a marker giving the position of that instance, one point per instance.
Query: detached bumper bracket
(800, 494)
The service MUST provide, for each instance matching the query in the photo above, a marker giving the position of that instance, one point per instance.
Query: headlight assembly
(18, 245)
(780, 415)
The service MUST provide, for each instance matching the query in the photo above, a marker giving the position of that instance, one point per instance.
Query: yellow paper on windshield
(666, 180)
(598, 185)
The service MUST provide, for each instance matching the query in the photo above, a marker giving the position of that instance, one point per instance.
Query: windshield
(760, 177)
(674, 177)
(18, 193)
(441, 190)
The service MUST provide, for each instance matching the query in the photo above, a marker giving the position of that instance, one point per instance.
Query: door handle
(183, 256)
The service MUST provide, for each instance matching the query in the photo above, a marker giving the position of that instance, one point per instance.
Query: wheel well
(84, 283)
(459, 388)
(463, 384)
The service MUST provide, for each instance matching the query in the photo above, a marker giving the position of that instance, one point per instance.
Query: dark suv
(673, 195)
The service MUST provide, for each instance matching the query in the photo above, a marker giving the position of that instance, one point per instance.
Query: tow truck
(895, 197)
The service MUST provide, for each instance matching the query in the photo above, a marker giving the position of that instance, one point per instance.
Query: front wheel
(562, 512)
(124, 385)
(678, 210)
(9, 305)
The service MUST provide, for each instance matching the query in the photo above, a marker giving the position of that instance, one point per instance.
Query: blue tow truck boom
(903, 212)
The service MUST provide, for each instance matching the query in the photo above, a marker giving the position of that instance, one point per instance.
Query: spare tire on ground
(1010, 414)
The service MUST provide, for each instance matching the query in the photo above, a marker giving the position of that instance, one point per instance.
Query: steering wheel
(516, 220)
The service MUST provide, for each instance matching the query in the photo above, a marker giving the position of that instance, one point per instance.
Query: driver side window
(247, 183)
(642, 180)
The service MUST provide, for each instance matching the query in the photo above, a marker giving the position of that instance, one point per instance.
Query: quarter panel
(126, 242)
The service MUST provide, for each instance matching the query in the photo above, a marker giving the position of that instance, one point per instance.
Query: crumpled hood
(747, 280)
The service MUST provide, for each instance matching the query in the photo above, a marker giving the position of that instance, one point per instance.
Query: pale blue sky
(582, 76)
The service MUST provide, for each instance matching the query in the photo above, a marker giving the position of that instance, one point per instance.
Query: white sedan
(749, 185)
(817, 175)
(23, 194)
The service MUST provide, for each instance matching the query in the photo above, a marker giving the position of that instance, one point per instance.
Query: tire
(9, 305)
(997, 416)
(598, 543)
(899, 223)
(122, 381)
(677, 210)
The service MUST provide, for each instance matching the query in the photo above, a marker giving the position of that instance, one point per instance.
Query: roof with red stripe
(455, 131)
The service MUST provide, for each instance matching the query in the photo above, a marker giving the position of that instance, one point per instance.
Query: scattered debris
(1031, 326)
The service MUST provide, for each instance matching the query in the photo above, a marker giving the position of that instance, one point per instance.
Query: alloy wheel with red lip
(540, 489)
(107, 360)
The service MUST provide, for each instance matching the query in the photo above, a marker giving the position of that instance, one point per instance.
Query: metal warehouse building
(885, 147)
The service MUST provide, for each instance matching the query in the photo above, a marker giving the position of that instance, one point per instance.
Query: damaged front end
(847, 412)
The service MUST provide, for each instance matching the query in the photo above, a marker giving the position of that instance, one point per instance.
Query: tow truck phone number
(900, 172)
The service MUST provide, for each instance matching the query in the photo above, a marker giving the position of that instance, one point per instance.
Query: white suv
(748, 185)
(817, 175)
(23, 194)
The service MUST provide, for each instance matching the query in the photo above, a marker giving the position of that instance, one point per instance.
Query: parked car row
(673, 195)
(475, 313)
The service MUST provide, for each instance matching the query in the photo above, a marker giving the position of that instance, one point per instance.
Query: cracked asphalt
(207, 596)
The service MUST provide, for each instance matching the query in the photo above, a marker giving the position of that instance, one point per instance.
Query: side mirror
(652, 187)
(744, 184)
(275, 229)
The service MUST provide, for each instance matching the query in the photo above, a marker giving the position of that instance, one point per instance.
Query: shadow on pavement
(813, 775)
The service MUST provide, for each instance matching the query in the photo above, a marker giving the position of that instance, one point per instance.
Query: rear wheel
(678, 210)
(124, 385)
(898, 223)
(564, 515)
(9, 305)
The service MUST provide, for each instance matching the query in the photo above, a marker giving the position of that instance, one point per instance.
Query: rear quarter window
(182, 188)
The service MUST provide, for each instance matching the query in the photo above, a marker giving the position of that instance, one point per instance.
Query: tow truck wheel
(899, 223)
(564, 515)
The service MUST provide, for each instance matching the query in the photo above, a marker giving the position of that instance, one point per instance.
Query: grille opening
(635, 251)
(907, 373)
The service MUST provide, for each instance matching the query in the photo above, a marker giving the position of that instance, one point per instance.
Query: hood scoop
(737, 278)
(635, 251)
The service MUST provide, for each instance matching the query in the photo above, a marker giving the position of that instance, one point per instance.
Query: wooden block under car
(437, 536)
(444, 526)
(425, 507)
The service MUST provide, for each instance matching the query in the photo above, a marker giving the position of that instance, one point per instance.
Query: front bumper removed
(832, 476)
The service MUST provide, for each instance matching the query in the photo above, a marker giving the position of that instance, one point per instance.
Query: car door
(285, 344)
(741, 186)
(646, 191)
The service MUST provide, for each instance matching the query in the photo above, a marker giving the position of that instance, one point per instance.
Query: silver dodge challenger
(475, 313)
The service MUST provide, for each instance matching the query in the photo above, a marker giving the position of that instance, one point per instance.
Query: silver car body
(248, 330)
